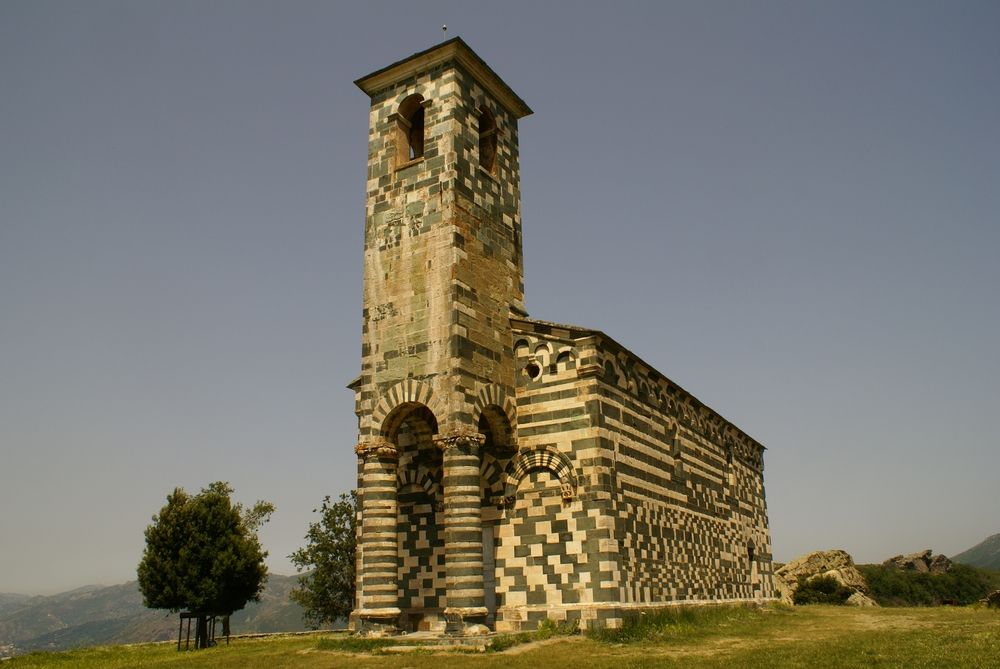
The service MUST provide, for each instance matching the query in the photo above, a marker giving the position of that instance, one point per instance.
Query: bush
(961, 585)
(549, 628)
(821, 590)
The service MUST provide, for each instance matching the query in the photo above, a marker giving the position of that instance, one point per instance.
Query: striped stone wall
(668, 506)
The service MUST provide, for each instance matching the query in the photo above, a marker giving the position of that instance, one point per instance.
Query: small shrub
(821, 590)
(549, 628)
(504, 641)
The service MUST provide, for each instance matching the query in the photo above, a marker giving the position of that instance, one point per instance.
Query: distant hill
(985, 554)
(96, 615)
(10, 601)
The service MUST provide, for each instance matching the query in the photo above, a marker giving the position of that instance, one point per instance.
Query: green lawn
(808, 637)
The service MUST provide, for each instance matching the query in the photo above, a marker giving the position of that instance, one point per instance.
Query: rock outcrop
(860, 599)
(835, 563)
(924, 561)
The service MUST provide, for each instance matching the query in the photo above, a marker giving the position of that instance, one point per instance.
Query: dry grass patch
(812, 637)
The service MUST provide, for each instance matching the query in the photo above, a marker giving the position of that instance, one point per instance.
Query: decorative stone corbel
(446, 442)
(376, 447)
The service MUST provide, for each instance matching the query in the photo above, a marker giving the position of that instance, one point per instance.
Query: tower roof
(454, 49)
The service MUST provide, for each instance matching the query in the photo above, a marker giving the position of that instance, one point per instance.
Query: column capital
(456, 439)
(377, 447)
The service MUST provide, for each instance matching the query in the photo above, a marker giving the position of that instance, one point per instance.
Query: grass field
(812, 636)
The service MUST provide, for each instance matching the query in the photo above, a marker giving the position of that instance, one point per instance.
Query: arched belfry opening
(487, 126)
(409, 119)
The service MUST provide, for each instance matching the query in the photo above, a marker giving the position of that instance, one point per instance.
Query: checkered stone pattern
(492, 478)
(660, 543)
(540, 552)
(420, 535)
(420, 523)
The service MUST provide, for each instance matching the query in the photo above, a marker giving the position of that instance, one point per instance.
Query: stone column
(379, 606)
(463, 530)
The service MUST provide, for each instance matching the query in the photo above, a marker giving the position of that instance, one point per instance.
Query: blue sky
(789, 208)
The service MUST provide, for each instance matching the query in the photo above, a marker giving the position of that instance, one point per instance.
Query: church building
(511, 469)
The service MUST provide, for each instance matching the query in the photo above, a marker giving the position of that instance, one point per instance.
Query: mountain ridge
(985, 554)
(98, 615)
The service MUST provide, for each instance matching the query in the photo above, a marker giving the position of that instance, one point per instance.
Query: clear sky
(792, 209)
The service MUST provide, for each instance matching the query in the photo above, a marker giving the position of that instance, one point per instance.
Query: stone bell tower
(443, 278)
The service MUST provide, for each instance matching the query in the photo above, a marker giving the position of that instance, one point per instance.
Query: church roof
(454, 49)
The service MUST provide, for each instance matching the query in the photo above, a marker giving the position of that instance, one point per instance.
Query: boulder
(477, 630)
(861, 599)
(922, 561)
(940, 564)
(837, 564)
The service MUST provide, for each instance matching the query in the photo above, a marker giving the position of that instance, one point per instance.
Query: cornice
(455, 50)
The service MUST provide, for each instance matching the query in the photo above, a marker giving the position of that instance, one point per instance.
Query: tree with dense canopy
(202, 554)
(326, 591)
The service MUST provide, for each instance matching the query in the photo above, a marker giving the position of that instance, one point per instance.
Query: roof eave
(454, 49)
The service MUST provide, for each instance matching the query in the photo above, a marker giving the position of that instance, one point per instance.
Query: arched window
(487, 140)
(410, 129)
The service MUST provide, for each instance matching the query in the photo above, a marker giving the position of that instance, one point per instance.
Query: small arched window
(410, 129)
(487, 140)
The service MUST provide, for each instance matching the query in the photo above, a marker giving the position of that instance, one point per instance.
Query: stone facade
(511, 469)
